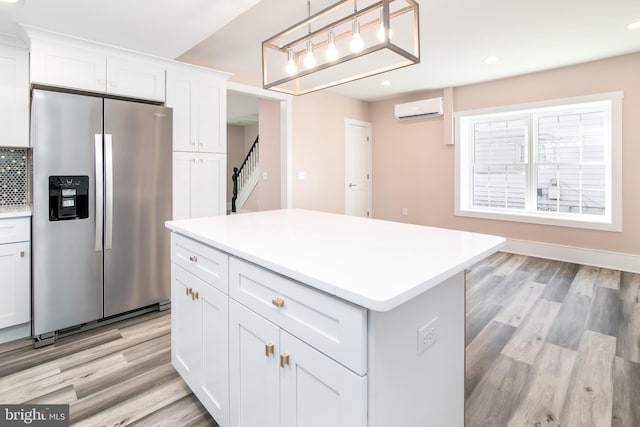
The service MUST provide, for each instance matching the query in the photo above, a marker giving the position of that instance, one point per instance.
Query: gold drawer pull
(21, 254)
(284, 360)
(193, 258)
(189, 291)
(278, 302)
(268, 349)
(195, 296)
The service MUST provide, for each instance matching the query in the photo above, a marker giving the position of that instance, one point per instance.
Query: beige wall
(318, 148)
(266, 194)
(412, 167)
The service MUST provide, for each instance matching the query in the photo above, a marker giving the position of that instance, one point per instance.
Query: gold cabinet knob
(268, 349)
(189, 290)
(195, 296)
(278, 302)
(193, 258)
(284, 360)
(21, 254)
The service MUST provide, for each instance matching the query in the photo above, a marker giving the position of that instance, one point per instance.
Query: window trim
(610, 222)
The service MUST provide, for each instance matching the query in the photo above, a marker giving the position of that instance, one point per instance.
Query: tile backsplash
(15, 194)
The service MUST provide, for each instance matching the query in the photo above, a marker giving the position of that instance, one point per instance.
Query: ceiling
(455, 35)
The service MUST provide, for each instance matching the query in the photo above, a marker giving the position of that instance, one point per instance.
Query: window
(554, 163)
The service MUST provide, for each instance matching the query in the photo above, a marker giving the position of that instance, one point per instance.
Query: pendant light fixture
(349, 40)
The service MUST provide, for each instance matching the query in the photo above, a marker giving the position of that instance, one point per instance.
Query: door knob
(352, 185)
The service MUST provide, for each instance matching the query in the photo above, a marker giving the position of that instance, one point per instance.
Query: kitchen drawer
(333, 326)
(15, 230)
(210, 265)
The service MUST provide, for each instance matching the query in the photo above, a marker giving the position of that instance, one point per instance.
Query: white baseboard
(596, 258)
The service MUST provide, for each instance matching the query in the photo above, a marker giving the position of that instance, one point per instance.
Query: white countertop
(14, 214)
(375, 264)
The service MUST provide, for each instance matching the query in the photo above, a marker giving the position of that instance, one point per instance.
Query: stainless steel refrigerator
(101, 195)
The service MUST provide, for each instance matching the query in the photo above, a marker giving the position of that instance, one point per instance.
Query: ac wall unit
(419, 109)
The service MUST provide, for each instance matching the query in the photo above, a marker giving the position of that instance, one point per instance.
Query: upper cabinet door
(199, 102)
(59, 65)
(211, 120)
(14, 96)
(136, 79)
(181, 93)
(70, 63)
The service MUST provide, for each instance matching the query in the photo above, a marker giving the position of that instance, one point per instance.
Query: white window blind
(550, 163)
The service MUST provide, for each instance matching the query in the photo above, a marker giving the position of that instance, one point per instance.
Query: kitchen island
(301, 318)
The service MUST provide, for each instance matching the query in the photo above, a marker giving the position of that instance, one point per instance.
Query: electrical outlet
(427, 335)
(405, 211)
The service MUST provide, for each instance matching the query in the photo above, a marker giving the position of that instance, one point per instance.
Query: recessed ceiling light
(385, 83)
(634, 25)
(490, 59)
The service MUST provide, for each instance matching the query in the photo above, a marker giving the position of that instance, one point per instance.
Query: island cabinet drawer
(333, 326)
(205, 262)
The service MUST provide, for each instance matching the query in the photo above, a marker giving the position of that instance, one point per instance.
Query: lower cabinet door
(186, 324)
(15, 284)
(317, 391)
(214, 374)
(253, 369)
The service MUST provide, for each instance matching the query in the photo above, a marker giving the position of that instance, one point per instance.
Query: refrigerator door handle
(108, 200)
(99, 191)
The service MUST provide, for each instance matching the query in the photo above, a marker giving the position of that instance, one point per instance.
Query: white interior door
(357, 168)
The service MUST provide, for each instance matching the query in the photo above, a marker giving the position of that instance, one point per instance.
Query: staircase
(245, 178)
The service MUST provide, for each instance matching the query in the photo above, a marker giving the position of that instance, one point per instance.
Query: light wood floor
(551, 344)
(548, 344)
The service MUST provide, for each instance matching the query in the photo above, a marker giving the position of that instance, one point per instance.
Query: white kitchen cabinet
(199, 184)
(198, 99)
(77, 64)
(199, 319)
(14, 96)
(351, 314)
(277, 380)
(15, 279)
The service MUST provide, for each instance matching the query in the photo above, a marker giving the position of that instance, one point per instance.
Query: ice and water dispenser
(68, 197)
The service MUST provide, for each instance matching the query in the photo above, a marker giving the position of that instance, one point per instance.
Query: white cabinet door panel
(14, 96)
(318, 392)
(68, 67)
(210, 127)
(254, 375)
(180, 92)
(208, 185)
(214, 375)
(15, 284)
(186, 324)
(135, 79)
(182, 185)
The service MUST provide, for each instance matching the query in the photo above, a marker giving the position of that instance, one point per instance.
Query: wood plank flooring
(562, 349)
(548, 344)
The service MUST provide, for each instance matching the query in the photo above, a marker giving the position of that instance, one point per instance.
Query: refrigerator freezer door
(136, 264)
(67, 269)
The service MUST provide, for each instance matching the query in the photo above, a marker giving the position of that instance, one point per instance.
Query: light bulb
(356, 41)
(291, 67)
(381, 32)
(332, 51)
(309, 60)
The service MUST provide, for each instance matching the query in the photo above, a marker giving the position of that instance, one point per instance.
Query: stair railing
(241, 175)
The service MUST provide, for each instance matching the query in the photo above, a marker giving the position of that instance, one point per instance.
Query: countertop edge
(354, 298)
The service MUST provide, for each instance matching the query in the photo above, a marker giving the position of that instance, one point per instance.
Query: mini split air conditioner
(419, 109)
